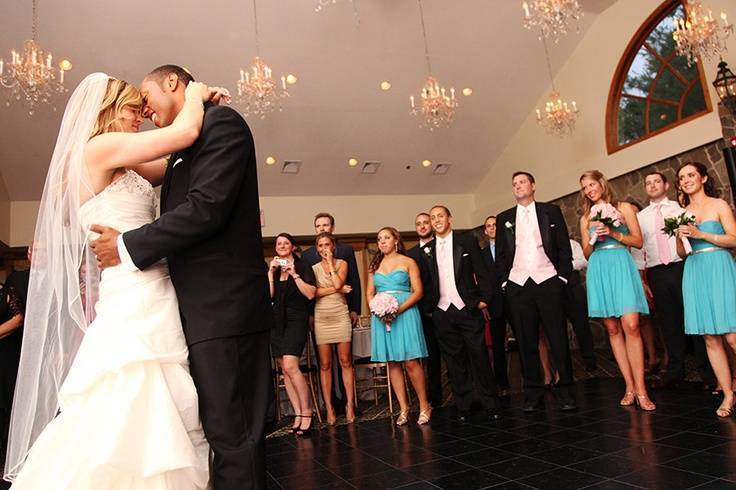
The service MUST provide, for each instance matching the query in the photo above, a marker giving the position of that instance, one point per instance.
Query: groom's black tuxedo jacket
(210, 232)
(555, 239)
(474, 281)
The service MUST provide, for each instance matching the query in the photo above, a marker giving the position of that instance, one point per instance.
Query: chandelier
(558, 117)
(258, 92)
(699, 35)
(30, 75)
(436, 105)
(551, 17)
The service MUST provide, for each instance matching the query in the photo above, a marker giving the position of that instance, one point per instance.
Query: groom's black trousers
(233, 379)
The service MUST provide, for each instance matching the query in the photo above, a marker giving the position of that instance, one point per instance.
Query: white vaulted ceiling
(337, 110)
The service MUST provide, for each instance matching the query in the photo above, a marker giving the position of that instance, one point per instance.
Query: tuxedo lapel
(544, 229)
(510, 235)
(167, 180)
(457, 259)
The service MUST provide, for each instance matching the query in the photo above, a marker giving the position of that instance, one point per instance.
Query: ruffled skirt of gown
(129, 417)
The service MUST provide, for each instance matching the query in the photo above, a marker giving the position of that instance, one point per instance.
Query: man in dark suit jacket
(325, 223)
(535, 261)
(434, 360)
(210, 233)
(460, 290)
(498, 316)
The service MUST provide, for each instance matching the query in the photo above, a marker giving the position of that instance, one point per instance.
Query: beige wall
(4, 213)
(295, 215)
(359, 214)
(586, 78)
(22, 222)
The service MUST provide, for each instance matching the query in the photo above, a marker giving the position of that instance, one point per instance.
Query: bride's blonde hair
(120, 94)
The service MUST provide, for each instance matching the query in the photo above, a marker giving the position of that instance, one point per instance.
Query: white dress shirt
(492, 248)
(578, 257)
(125, 261)
(647, 216)
(446, 272)
(530, 260)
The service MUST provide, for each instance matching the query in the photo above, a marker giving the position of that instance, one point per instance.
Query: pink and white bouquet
(607, 214)
(672, 223)
(385, 307)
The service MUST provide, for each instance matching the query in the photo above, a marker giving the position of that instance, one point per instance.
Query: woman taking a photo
(291, 283)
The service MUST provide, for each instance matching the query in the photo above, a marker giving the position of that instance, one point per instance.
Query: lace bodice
(126, 204)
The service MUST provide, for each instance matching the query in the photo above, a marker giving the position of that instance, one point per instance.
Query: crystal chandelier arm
(424, 36)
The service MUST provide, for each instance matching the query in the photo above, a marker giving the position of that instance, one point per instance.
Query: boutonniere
(509, 226)
(428, 251)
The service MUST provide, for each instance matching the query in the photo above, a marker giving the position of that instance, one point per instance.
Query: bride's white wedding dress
(129, 416)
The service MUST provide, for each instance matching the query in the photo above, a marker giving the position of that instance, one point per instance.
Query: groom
(210, 233)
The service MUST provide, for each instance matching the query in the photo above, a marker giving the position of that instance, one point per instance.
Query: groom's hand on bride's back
(105, 247)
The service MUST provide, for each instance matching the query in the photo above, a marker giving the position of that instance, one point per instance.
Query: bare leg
(396, 371)
(544, 358)
(646, 329)
(345, 355)
(618, 346)
(635, 352)
(290, 391)
(299, 384)
(325, 378)
(719, 361)
(418, 381)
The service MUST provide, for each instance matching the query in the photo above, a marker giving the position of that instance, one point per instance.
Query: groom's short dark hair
(163, 71)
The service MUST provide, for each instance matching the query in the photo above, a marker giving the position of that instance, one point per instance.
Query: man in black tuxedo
(498, 317)
(210, 233)
(325, 223)
(434, 361)
(460, 290)
(535, 261)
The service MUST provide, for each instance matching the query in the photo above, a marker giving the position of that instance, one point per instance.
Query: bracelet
(296, 276)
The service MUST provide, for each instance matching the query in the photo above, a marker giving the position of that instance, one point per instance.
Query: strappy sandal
(645, 404)
(424, 416)
(403, 418)
(628, 399)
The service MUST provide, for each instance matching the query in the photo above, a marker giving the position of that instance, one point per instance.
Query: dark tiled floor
(601, 446)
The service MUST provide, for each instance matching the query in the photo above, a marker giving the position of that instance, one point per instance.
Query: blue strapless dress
(613, 282)
(406, 339)
(709, 286)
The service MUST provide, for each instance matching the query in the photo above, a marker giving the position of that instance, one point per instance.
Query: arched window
(653, 89)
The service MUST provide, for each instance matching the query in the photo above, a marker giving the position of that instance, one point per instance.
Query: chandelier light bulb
(551, 17)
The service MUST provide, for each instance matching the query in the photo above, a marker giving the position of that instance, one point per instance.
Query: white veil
(63, 279)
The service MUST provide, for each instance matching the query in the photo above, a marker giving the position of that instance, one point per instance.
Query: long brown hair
(708, 187)
(120, 94)
(378, 258)
(586, 204)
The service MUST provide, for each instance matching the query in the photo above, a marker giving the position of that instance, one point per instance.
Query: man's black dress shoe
(531, 407)
(568, 406)
(493, 415)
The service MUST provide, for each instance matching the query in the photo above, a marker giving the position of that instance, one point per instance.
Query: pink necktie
(663, 246)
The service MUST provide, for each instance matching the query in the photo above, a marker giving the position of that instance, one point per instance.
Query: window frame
(616, 92)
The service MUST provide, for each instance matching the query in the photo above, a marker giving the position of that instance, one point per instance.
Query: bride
(104, 397)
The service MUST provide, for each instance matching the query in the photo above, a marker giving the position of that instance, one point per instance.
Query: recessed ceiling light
(467, 91)
(426, 163)
(352, 162)
(291, 79)
(385, 85)
(270, 160)
(65, 65)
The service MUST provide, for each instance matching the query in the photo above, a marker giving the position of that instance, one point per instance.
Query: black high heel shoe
(305, 432)
(294, 429)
